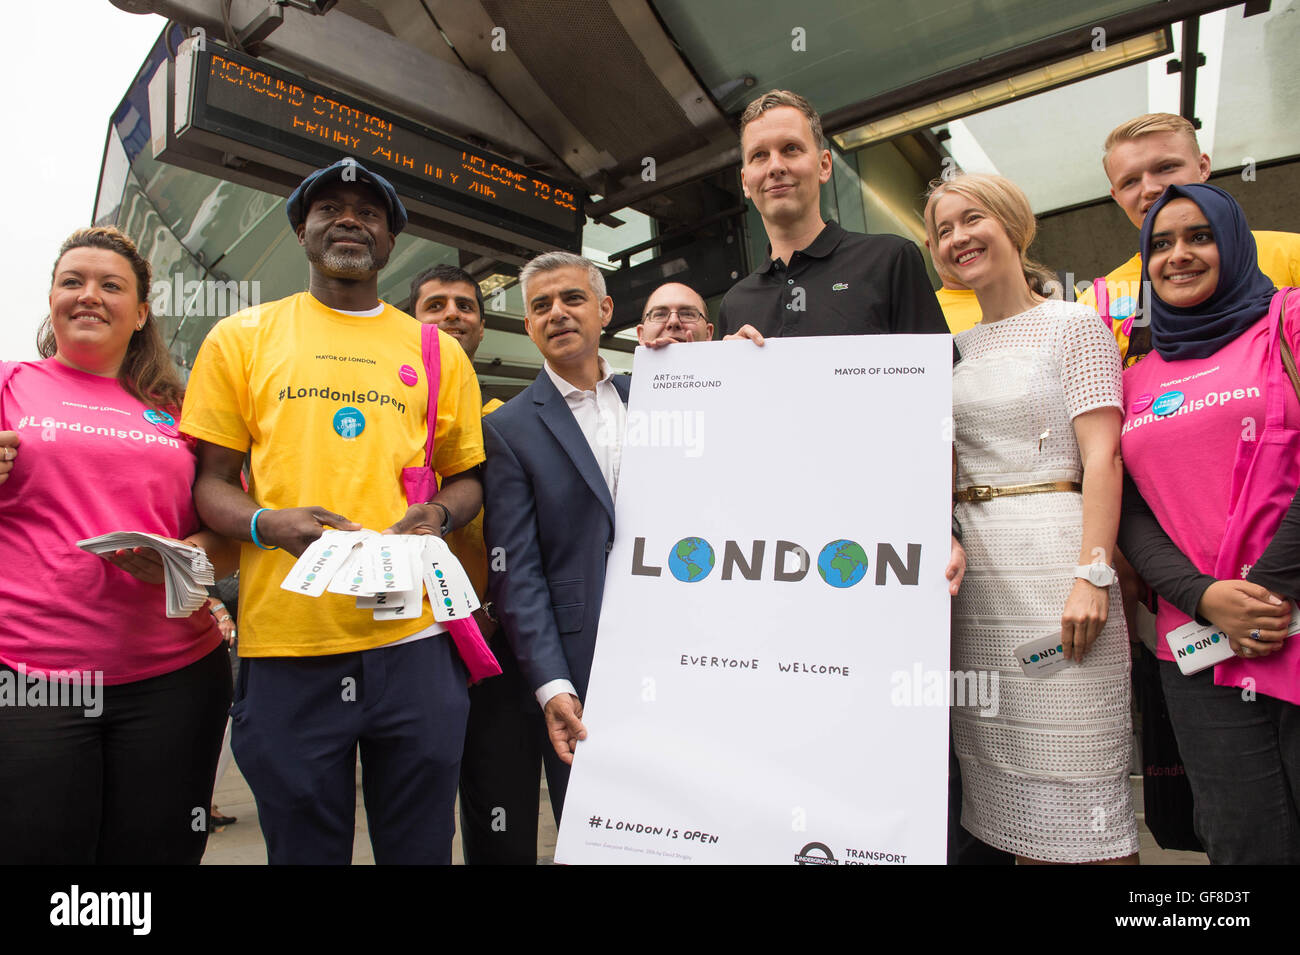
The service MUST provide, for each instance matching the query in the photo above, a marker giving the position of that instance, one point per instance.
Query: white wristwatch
(1098, 574)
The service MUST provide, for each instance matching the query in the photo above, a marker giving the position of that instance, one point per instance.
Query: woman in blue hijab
(1238, 300)
(1211, 519)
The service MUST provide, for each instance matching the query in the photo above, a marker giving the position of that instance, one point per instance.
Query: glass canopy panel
(1051, 144)
(847, 53)
(1259, 86)
(1245, 97)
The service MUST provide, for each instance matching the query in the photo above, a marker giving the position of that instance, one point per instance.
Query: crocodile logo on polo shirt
(839, 286)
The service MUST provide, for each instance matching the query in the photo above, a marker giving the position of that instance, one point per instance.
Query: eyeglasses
(687, 315)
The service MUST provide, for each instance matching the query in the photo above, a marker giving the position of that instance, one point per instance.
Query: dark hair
(147, 371)
(443, 273)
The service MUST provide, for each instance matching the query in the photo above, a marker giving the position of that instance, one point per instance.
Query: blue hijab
(1240, 299)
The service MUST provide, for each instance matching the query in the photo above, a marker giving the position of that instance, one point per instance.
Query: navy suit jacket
(548, 509)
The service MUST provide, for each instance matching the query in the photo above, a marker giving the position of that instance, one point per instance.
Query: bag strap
(1101, 295)
(432, 355)
(1288, 359)
(7, 369)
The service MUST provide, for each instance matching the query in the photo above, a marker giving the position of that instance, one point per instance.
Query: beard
(347, 263)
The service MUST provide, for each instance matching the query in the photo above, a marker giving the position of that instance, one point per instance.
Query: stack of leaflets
(187, 571)
(386, 573)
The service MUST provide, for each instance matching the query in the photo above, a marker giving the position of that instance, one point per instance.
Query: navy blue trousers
(298, 722)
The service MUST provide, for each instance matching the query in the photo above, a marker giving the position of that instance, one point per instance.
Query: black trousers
(500, 771)
(1242, 753)
(131, 785)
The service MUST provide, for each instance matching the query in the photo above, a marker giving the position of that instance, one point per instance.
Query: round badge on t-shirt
(408, 375)
(1168, 403)
(159, 417)
(163, 422)
(349, 422)
(1141, 403)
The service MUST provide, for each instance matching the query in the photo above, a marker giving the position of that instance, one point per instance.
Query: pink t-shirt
(89, 462)
(1182, 459)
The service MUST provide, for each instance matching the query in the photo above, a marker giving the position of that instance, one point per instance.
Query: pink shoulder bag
(1265, 477)
(421, 487)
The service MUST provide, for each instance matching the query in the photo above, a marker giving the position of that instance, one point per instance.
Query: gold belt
(983, 492)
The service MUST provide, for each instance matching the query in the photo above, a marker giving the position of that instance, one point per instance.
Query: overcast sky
(66, 65)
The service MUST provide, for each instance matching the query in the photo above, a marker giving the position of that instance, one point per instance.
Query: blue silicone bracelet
(252, 529)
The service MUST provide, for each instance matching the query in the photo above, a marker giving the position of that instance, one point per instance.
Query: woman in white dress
(1036, 404)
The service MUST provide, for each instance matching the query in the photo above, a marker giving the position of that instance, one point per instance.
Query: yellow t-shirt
(467, 542)
(1279, 259)
(961, 309)
(315, 396)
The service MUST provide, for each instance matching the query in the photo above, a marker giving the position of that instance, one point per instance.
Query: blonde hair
(147, 371)
(1008, 205)
(1145, 125)
(774, 99)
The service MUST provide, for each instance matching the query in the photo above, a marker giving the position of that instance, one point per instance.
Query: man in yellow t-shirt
(327, 394)
(1142, 157)
(961, 309)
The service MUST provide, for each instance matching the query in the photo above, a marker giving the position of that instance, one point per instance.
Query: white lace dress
(1046, 777)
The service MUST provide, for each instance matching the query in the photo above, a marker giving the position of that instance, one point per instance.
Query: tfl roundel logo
(815, 853)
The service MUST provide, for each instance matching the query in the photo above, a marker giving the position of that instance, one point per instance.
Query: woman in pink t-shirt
(111, 713)
(1212, 520)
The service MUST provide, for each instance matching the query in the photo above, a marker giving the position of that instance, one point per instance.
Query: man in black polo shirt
(818, 279)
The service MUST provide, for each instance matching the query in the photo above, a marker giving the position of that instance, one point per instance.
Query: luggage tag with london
(450, 592)
(347, 580)
(396, 564)
(384, 566)
(1041, 657)
(1195, 647)
(412, 601)
(320, 561)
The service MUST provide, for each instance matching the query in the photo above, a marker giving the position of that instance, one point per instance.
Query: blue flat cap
(345, 170)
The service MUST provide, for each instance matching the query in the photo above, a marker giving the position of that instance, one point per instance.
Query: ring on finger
(1254, 634)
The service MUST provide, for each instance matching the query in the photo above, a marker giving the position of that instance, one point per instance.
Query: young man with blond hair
(1142, 157)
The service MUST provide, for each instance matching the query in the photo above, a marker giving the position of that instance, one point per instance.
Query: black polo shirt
(845, 283)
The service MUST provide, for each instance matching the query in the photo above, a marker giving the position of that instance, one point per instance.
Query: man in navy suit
(550, 481)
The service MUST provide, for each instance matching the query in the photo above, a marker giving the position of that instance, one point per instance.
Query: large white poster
(770, 676)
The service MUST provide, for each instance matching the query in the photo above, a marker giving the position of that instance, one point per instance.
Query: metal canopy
(633, 98)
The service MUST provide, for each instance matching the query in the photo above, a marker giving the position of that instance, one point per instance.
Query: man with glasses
(674, 313)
